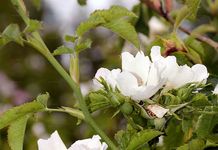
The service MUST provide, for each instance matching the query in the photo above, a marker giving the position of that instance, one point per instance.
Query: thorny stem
(160, 10)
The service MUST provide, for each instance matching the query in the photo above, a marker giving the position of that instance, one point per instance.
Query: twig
(157, 7)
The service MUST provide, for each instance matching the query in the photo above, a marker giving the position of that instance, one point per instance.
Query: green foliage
(11, 33)
(33, 25)
(188, 10)
(62, 50)
(196, 144)
(124, 29)
(82, 2)
(16, 133)
(142, 137)
(43, 99)
(15, 113)
(207, 122)
(83, 45)
(70, 38)
(112, 19)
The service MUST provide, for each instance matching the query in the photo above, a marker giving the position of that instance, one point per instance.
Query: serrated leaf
(84, 45)
(125, 30)
(193, 7)
(62, 50)
(12, 33)
(43, 98)
(195, 144)
(16, 133)
(70, 38)
(15, 113)
(182, 14)
(33, 25)
(206, 122)
(91, 23)
(114, 13)
(142, 137)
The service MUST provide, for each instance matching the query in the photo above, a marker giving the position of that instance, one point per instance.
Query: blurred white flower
(93, 143)
(156, 26)
(176, 75)
(157, 110)
(216, 90)
(55, 143)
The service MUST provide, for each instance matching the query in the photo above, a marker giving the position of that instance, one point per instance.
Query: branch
(158, 7)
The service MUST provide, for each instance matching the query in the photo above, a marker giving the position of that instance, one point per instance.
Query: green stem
(36, 41)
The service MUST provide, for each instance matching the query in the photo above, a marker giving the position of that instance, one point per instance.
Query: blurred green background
(24, 73)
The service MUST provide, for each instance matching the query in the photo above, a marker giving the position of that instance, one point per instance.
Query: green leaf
(37, 4)
(21, 9)
(62, 50)
(142, 137)
(174, 134)
(97, 100)
(16, 133)
(202, 29)
(83, 45)
(182, 14)
(196, 144)
(15, 113)
(207, 122)
(114, 13)
(43, 99)
(124, 136)
(70, 38)
(125, 30)
(100, 17)
(82, 2)
(33, 25)
(91, 23)
(193, 6)
(12, 33)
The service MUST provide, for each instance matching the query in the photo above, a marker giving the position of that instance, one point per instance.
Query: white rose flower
(139, 78)
(176, 75)
(216, 90)
(55, 143)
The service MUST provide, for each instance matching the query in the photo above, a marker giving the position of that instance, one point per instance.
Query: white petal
(155, 53)
(154, 76)
(216, 90)
(52, 143)
(157, 110)
(127, 82)
(200, 72)
(93, 143)
(138, 65)
(156, 26)
(107, 75)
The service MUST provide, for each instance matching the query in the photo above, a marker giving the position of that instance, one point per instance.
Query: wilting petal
(93, 143)
(52, 143)
(157, 110)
